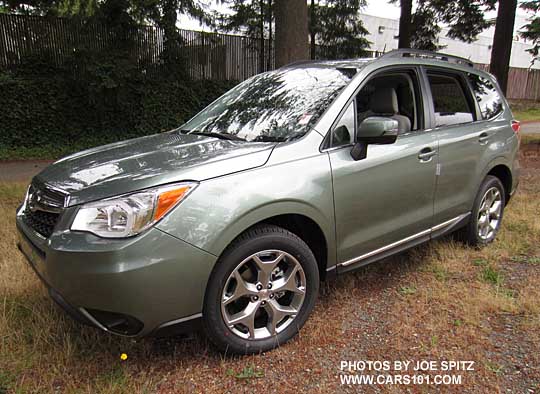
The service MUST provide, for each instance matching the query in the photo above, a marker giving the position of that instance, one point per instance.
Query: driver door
(384, 201)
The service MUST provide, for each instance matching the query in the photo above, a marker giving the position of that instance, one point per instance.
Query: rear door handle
(483, 138)
(426, 155)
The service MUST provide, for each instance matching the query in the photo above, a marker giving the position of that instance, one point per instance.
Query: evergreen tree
(254, 18)
(531, 31)
(336, 29)
(502, 42)
(425, 30)
(121, 14)
(291, 31)
(420, 29)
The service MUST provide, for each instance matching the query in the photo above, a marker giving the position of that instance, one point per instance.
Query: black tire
(470, 233)
(257, 239)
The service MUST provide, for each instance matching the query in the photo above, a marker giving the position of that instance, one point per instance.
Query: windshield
(279, 105)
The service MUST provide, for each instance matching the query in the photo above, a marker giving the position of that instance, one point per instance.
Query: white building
(384, 32)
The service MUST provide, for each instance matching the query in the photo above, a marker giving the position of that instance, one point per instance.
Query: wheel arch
(304, 222)
(500, 169)
(503, 173)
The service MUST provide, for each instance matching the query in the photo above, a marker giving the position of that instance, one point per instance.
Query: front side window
(394, 95)
(449, 100)
(487, 96)
(279, 105)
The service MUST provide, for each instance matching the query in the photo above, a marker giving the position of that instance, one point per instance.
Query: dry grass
(438, 301)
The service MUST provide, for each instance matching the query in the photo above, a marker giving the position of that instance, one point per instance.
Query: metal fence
(204, 55)
(523, 83)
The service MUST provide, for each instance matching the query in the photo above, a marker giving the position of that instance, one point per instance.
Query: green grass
(491, 275)
(247, 373)
(442, 299)
(526, 115)
(525, 110)
(526, 259)
(407, 290)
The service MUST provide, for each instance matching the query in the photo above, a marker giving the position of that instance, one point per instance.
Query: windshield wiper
(222, 136)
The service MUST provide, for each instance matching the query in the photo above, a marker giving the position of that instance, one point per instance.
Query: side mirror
(378, 130)
(374, 130)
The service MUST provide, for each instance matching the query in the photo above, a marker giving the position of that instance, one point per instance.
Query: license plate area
(34, 255)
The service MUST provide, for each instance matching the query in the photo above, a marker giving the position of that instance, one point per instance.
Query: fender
(220, 209)
(267, 211)
(499, 160)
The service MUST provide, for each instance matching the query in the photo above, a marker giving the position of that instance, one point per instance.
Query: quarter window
(343, 133)
(487, 96)
(449, 100)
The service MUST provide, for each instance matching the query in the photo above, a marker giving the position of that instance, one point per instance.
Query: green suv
(295, 175)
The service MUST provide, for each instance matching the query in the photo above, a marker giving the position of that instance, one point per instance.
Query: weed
(526, 259)
(479, 262)
(493, 367)
(492, 276)
(247, 373)
(407, 290)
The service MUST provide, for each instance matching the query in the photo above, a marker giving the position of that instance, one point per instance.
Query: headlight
(131, 214)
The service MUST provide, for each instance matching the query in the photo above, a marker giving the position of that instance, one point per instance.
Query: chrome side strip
(450, 222)
(182, 320)
(93, 320)
(405, 240)
(384, 248)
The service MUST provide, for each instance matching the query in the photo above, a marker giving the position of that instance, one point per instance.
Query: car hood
(140, 163)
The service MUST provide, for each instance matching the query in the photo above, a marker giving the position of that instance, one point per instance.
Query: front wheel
(261, 291)
(487, 213)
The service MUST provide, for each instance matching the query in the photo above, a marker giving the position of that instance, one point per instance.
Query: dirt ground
(441, 301)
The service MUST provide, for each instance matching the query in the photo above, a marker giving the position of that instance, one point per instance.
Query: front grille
(43, 208)
(45, 197)
(41, 221)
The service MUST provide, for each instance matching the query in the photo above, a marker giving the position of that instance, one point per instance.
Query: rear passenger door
(463, 142)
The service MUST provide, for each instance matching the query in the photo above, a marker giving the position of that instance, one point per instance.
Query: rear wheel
(261, 291)
(487, 213)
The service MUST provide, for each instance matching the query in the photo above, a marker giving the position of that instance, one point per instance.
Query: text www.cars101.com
(361, 379)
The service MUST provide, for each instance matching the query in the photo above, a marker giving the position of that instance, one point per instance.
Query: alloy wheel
(263, 294)
(489, 214)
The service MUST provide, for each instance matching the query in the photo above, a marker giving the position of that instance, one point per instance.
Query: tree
(420, 29)
(532, 29)
(336, 31)
(254, 18)
(502, 41)
(291, 31)
(84, 8)
(426, 30)
(405, 24)
(163, 13)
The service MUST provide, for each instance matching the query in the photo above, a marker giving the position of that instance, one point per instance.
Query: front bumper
(131, 287)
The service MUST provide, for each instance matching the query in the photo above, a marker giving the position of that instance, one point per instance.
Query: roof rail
(427, 55)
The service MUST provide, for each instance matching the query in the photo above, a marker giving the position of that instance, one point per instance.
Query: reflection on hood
(148, 161)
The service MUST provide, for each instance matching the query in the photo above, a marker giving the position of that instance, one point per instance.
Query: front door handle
(426, 155)
(483, 138)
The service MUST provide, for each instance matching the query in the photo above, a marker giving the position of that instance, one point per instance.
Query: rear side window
(489, 100)
(450, 100)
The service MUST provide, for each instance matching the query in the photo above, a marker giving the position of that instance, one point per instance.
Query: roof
(409, 56)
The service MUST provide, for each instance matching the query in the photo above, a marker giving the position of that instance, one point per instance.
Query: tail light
(516, 126)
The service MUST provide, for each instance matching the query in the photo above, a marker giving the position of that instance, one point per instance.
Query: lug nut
(259, 287)
(272, 295)
(263, 303)
(255, 298)
(269, 285)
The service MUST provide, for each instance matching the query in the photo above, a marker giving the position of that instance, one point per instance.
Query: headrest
(384, 101)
